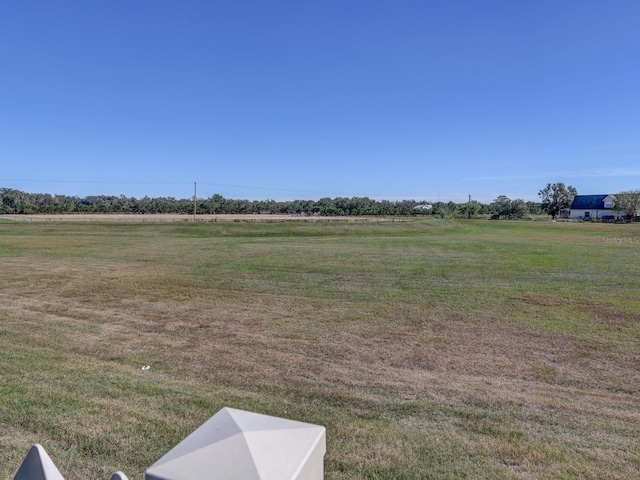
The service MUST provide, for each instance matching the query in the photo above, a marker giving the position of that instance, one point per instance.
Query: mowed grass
(428, 349)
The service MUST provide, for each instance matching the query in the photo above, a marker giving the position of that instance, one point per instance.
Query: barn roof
(587, 202)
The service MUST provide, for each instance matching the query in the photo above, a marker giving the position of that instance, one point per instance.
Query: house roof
(588, 202)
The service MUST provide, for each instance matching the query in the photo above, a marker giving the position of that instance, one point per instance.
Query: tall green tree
(504, 207)
(555, 197)
(468, 210)
(629, 203)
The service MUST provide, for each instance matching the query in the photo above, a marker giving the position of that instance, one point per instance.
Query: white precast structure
(231, 445)
(239, 445)
(37, 465)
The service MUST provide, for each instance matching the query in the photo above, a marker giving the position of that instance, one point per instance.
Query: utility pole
(195, 196)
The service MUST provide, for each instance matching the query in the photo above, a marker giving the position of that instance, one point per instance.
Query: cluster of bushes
(17, 202)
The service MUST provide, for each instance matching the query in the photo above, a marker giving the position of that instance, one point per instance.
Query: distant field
(427, 348)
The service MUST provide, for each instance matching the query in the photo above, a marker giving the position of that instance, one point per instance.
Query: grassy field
(428, 349)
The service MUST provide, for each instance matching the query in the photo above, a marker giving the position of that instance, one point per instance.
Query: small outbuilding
(422, 207)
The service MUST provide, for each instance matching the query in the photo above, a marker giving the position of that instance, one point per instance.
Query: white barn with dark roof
(588, 207)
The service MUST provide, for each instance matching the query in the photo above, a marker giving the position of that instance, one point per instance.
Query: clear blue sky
(430, 99)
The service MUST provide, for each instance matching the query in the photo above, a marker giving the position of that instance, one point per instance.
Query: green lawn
(428, 349)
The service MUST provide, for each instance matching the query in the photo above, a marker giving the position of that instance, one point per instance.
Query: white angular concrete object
(37, 465)
(239, 445)
(118, 476)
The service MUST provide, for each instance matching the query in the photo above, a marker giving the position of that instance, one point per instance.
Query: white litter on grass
(146, 367)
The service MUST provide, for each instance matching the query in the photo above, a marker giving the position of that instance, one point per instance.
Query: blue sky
(431, 99)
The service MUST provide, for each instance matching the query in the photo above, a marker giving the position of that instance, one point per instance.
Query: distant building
(588, 207)
(422, 207)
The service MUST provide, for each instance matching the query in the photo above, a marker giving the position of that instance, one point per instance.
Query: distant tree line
(17, 202)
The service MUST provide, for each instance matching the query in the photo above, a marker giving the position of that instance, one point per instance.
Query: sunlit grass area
(428, 349)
